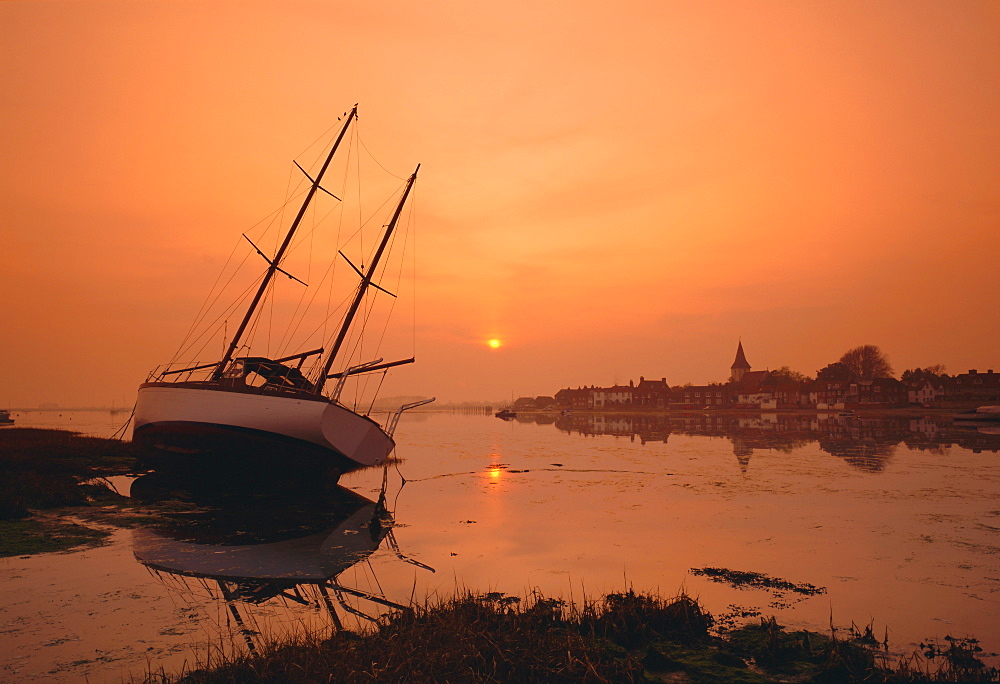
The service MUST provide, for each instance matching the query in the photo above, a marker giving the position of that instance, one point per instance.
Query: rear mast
(366, 281)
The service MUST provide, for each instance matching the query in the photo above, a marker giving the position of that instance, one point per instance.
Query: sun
(494, 343)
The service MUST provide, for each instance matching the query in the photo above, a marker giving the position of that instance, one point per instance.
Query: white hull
(164, 407)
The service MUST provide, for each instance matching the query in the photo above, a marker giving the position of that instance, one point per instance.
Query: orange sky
(613, 190)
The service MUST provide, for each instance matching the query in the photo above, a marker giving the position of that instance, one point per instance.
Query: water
(95, 423)
(895, 517)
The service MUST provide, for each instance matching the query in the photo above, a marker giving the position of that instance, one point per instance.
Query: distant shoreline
(722, 410)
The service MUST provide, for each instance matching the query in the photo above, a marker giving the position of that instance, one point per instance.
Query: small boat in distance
(247, 409)
(505, 414)
(5, 418)
(981, 414)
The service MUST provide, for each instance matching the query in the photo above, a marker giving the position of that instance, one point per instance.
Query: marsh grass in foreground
(44, 470)
(624, 637)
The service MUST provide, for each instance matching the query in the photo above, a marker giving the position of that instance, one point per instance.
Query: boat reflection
(865, 442)
(248, 547)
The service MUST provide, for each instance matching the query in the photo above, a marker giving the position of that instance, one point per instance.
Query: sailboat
(254, 407)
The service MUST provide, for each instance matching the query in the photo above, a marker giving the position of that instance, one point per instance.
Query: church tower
(740, 365)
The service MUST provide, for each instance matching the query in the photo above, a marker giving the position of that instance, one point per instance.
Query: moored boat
(981, 414)
(269, 410)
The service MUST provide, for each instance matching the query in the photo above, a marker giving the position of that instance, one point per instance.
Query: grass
(623, 637)
(42, 470)
(46, 535)
(756, 580)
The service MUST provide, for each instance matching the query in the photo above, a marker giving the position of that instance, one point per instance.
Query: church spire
(740, 365)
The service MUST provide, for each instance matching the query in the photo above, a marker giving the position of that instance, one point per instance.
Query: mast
(365, 282)
(273, 264)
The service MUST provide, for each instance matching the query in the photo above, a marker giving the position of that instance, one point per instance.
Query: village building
(922, 392)
(699, 396)
(618, 396)
(974, 387)
(747, 388)
(825, 394)
(750, 389)
(877, 391)
(572, 398)
(790, 395)
(651, 394)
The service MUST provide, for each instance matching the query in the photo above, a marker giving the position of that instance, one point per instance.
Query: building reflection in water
(864, 442)
(247, 547)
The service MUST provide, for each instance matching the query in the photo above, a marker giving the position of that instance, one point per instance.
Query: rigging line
(271, 302)
(206, 309)
(369, 309)
(281, 217)
(375, 213)
(205, 303)
(299, 311)
(377, 390)
(353, 349)
(271, 216)
(298, 316)
(381, 591)
(343, 301)
(324, 134)
(256, 321)
(303, 307)
(412, 224)
(269, 297)
(319, 364)
(374, 300)
(211, 330)
(235, 306)
(299, 238)
(358, 128)
(392, 304)
(357, 170)
(312, 243)
(362, 386)
(333, 264)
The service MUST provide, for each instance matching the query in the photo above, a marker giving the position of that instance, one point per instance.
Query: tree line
(865, 362)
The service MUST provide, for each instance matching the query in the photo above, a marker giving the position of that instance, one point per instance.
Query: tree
(921, 374)
(866, 362)
(785, 375)
(834, 371)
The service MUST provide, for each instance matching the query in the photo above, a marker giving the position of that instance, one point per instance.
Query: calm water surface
(897, 518)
